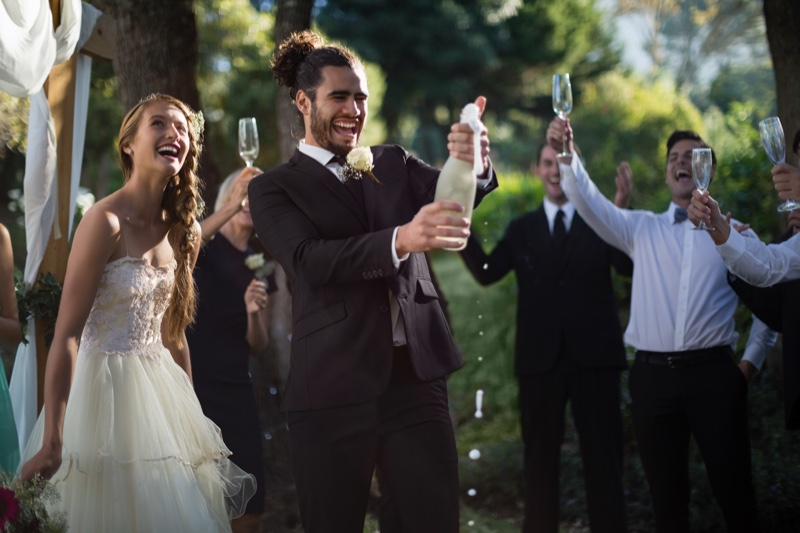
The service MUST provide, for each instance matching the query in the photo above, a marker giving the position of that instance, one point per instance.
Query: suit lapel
(302, 163)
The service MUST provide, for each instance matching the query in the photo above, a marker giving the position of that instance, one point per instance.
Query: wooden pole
(60, 91)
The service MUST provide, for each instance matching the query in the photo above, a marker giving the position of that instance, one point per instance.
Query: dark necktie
(353, 185)
(680, 215)
(559, 230)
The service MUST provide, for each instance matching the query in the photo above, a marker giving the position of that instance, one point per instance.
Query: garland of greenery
(41, 301)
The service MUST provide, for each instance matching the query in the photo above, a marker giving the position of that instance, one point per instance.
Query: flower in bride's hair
(261, 268)
(359, 161)
(198, 123)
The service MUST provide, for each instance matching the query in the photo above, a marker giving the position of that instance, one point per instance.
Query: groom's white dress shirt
(680, 297)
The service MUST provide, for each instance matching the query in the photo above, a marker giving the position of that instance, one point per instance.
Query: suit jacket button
(364, 275)
(380, 272)
(383, 308)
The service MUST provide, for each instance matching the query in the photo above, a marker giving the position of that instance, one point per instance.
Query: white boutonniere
(359, 161)
(260, 267)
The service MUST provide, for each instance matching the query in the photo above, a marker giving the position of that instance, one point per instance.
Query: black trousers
(709, 402)
(594, 394)
(406, 433)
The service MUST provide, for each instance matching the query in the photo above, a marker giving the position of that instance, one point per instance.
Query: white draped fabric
(29, 48)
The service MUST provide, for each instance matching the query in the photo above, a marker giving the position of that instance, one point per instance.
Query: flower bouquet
(23, 506)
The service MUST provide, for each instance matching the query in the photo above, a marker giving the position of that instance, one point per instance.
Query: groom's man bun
(299, 60)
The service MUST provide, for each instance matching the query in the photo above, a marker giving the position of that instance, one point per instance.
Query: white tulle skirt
(139, 455)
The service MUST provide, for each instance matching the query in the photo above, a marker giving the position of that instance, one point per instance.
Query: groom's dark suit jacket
(565, 299)
(779, 308)
(338, 258)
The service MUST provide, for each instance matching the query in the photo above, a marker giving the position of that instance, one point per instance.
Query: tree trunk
(783, 19)
(291, 16)
(157, 52)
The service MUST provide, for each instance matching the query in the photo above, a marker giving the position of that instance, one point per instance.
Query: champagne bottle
(457, 179)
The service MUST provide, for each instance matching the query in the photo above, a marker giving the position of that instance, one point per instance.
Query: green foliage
(486, 322)
(470, 37)
(101, 171)
(32, 499)
(235, 44)
(13, 127)
(624, 118)
(40, 301)
(743, 183)
(754, 83)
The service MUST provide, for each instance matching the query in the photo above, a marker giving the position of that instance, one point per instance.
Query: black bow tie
(680, 215)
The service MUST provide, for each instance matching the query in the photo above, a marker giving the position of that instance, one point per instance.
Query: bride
(122, 435)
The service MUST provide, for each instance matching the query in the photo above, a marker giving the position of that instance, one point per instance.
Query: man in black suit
(370, 343)
(778, 308)
(569, 347)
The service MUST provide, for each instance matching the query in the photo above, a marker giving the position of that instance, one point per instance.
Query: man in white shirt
(684, 382)
(757, 263)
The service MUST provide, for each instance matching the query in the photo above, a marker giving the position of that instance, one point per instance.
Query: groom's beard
(321, 130)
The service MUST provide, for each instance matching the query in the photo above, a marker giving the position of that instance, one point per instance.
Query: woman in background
(10, 337)
(231, 327)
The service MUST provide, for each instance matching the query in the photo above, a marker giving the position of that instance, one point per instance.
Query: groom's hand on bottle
(433, 221)
(459, 140)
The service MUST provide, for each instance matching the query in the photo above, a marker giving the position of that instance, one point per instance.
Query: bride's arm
(179, 351)
(94, 243)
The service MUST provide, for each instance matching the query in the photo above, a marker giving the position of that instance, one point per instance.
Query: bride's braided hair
(179, 202)
(297, 64)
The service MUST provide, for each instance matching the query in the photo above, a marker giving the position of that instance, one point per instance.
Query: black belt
(686, 358)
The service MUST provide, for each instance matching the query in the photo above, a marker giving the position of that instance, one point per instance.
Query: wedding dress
(138, 453)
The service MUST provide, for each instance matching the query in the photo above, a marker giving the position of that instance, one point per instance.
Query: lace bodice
(130, 303)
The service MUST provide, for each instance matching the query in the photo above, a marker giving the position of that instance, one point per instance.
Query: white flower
(260, 267)
(254, 261)
(358, 160)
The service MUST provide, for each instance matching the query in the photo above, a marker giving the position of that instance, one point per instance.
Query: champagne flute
(775, 146)
(562, 103)
(248, 140)
(701, 172)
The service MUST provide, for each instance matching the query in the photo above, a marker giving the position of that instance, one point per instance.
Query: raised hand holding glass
(248, 140)
(562, 102)
(774, 142)
(702, 163)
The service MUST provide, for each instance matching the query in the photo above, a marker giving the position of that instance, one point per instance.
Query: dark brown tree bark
(783, 22)
(291, 16)
(157, 52)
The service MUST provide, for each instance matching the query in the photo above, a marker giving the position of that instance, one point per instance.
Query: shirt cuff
(732, 249)
(396, 260)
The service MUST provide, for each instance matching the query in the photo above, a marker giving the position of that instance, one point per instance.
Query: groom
(370, 343)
